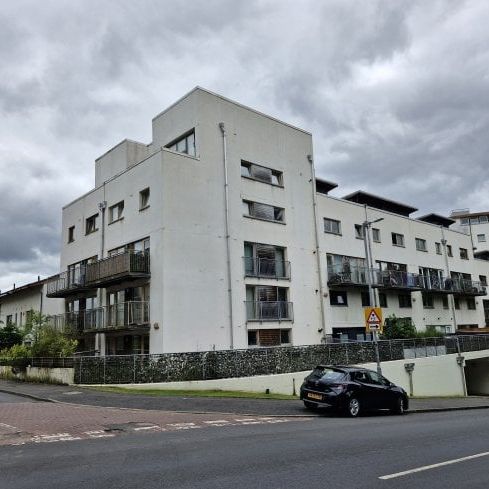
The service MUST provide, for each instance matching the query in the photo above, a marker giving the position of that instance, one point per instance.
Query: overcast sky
(396, 94)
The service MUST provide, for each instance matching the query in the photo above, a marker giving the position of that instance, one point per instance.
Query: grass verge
(194, 393)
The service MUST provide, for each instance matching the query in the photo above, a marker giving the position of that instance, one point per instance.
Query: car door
(365, 391)
(378, 391)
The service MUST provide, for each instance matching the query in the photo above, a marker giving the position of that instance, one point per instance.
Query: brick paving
(39, 422)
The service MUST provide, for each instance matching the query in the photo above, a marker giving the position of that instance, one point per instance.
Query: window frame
(71, 234)
(279, 175)
(144, 196)
(250, 205)
(336, 294)
(93, 218)
(421, 245)
(394, 240)
(464, 253)
(120, 212)
(374, 231)
(405, 305)
(359, 231)
(173, 145)
(335, 221)
(438, 248)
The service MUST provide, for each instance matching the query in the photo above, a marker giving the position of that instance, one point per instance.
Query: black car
(352, 389)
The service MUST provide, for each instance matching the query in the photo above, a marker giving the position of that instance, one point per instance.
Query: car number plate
(311, 395)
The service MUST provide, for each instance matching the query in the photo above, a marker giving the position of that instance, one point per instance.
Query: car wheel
(353, 407)
(398, 406)
(312, 406)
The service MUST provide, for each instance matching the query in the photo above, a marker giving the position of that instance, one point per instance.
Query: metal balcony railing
(269, 311)
(122, 316)
(461, 286)
(266, 268)
(434, 283)
(116, 267)
(67, 282)
(348, 275)
(395, 279)
(76, 322)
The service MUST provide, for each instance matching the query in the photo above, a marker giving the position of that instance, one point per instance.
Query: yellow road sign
(373, 319)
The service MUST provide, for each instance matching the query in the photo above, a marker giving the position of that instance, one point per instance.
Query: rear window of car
(328, 374)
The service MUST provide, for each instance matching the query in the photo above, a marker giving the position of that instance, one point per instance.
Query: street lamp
(373, 299)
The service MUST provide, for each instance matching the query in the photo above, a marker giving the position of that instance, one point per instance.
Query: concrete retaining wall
(38, 374)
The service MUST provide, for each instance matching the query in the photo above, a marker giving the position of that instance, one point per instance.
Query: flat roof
(23, 288)
(324, 186)
(470, 214)
(361, 197)
(437, 219)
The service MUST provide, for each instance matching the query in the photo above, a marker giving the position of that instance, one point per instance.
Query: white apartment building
(476, 225)
(217, 235)
(18, 303)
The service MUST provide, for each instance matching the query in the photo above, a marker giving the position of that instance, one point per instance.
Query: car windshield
(327, 374)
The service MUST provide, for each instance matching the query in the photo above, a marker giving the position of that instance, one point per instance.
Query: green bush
(16, 351)
(398, 328)
(51, 343)
(10, 336)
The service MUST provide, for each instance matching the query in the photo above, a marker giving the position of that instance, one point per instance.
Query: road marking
(433, 466)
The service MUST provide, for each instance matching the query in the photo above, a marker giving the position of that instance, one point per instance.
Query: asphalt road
(322, 452)
(4, 397)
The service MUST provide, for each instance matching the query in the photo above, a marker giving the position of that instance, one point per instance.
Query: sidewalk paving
(269, 407)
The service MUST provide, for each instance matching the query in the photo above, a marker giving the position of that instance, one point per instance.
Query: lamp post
(373, 299)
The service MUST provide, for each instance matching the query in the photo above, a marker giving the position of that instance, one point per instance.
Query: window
(376, 235)
(263, 211)
(449, 250)
(444, 301)
(404, 300)
(261, 173)
(144, 199)
(261, 260)
(428, 302)
(483, 280)
(471, 303)
(91, 224)
(116, 211)
(359, 231)
(397, 239)
(438, 248)
(338, 298)
(382, 299)
(184, 144)
(332, 226)
(483, 219)
(464, 255)
(456, 302)
(267, 303)
(474, 220)
(421, 244)
(269, 337)
(464, 221)
(71, 234)
(365, 299)
(9, 319)
(481, 238)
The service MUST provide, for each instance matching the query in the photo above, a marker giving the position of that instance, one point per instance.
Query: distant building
(218, 235)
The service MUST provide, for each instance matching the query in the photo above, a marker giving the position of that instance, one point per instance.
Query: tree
(10, 336)
(398, 328)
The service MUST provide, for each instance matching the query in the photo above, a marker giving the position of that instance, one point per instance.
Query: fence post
(346, 349)
(134, 369)
(390, 349)
(80, 376)
(105, 361)
(426, 346)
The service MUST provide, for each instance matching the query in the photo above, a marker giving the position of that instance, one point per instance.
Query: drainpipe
(318, 257)
(447, 268)
(228, 237)
(100, 344)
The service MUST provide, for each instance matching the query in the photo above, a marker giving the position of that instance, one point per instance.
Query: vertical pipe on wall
(228, 237)
(318, 257)
(447, 268)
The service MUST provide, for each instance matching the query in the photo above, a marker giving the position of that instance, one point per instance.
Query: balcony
(269, 311)
(67, 283)
(101, 273)
(75, 323)
(467, 287)
(126, 265)
(123, 316)
(433, 283)
(266, 268)
(350, 276)
(399, 280)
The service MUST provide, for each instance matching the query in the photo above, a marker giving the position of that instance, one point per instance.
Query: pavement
(241, 406)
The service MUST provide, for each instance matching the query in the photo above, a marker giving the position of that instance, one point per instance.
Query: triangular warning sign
(373, 318)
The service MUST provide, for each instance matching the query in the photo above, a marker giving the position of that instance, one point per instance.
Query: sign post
(373, 319)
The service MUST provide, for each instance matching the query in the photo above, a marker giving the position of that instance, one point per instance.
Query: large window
(261, 173)
(184, 144)
(269, 337)
(332, 226)
(263, 211)
(261, 260)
